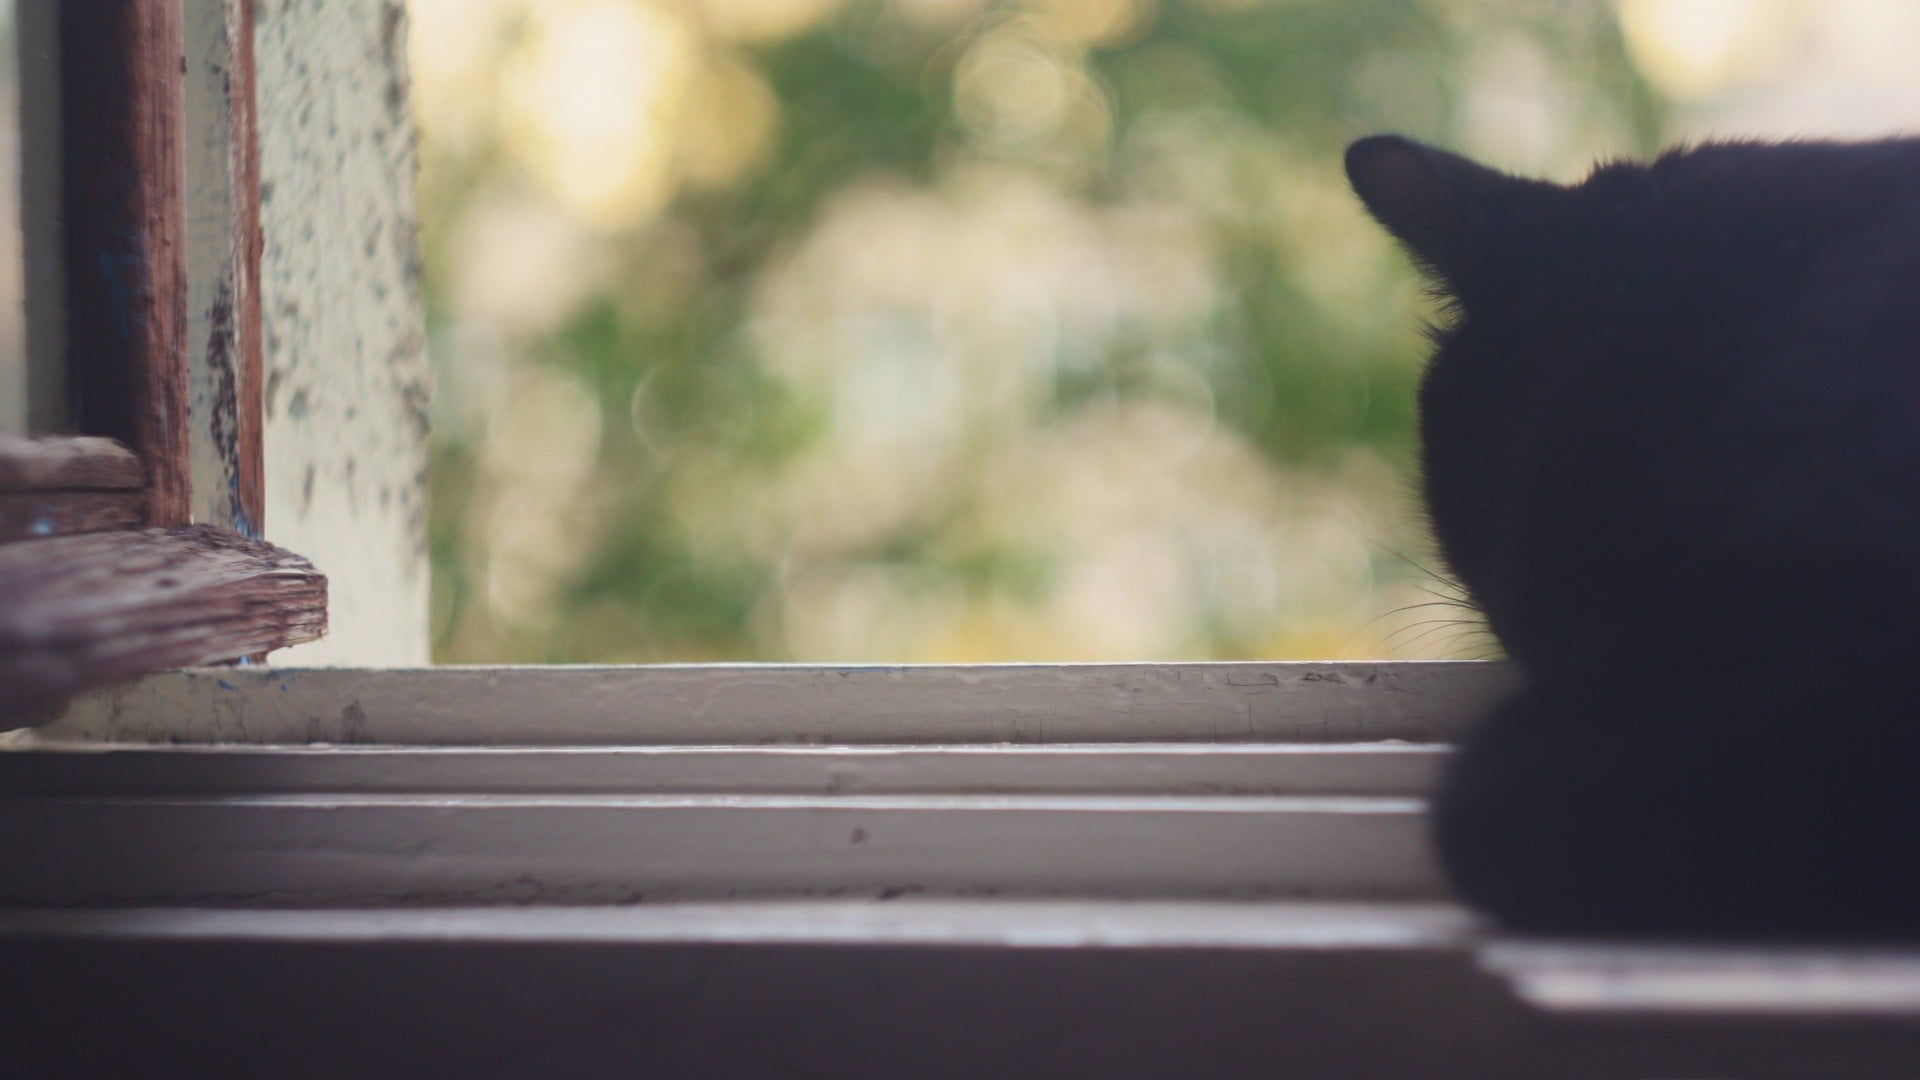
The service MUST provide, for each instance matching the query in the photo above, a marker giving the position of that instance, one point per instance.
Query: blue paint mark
(42, 527)
(122, 273)
(225, 685)
(240, 523)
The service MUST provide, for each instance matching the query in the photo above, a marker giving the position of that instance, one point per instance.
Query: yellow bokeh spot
(592, 99)
(1093, 22)
(730, 123)
(763, 20)
(1692, 49)
(454, 50)
(1019, 89)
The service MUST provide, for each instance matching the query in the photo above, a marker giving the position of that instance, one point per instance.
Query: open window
(1120, 868)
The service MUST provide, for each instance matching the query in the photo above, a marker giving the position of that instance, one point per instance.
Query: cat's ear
(1436, 203)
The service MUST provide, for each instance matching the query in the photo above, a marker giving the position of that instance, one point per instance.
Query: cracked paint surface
(346, 380)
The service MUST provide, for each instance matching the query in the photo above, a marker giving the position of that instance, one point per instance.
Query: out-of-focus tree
(934, 330)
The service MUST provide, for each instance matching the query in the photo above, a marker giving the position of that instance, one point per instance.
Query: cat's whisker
(1412, 626)
(1425, 571)
(1433, 622)
(1408, 607)
(1434, 627)
(1435, 583)
(1460, 634)
(1460, 598)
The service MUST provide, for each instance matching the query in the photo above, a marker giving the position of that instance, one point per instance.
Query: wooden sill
(88, 598)
(86, 610)
(53, 487)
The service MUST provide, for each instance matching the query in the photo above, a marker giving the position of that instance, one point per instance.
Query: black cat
(1671, 435)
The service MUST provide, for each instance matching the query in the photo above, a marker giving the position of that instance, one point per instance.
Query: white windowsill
(758, 704)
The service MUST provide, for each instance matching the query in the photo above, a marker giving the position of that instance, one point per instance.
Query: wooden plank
(487, 848)
(775, 703)
(223, 255)
(249, 246)
(83, 611)
(68, 464)
(60, 513)
(123, 199)
(1135, 769)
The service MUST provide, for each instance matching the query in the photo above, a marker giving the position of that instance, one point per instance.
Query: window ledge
(788, 703)
(1102, 869)
(932, 988)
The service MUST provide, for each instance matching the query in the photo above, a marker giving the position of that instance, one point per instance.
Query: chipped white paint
(764, 703)
(346, 374)
(215, 283)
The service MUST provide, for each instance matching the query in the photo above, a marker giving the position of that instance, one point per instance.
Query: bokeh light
(916, 330)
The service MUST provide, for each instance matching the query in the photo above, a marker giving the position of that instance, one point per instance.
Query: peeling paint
(346, 367)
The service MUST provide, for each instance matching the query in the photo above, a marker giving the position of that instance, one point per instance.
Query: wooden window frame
(136, 547)
(126, 85)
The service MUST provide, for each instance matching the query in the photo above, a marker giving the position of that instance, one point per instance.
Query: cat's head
(1598, 339)
(1528, 285)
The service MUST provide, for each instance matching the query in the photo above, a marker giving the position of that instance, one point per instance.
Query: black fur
(1671, 435)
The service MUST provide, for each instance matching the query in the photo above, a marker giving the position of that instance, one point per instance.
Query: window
(1148, 866)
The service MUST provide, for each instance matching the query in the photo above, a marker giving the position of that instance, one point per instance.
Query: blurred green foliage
(1032, 331)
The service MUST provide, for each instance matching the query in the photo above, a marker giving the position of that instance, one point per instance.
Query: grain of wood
(84, 611)
(34, 515)
(68, 464)
(124, 207)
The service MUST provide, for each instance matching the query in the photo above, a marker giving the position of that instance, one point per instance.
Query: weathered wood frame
(123, 198)
(162, 247)
(161, 315)
(224, 244)
(50, 488)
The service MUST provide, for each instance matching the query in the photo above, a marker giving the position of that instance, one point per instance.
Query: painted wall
(345, 349)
